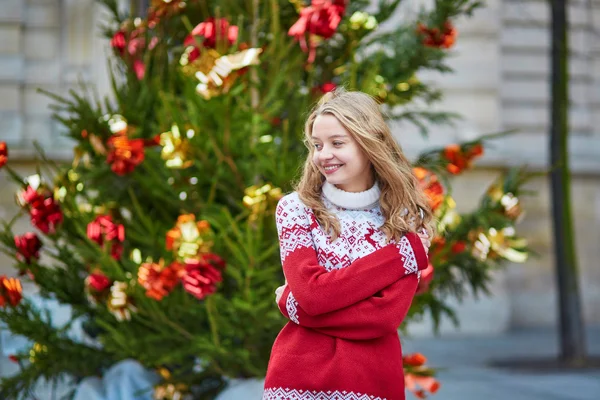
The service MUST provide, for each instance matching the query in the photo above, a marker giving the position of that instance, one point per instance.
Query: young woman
(353, 240)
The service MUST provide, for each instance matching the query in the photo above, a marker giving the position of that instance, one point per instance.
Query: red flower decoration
(105, 232)
(328, 87)
(10, 291)
(13, 358)
(460, 158)
(158, 280)
(3, 154)
(458, 247)
(201, 276)
(97, 281)
(414, 360)
(130, 45)
(440, 38)
(28, 247)
(118, 42)
(431, 186)
(321, 18)
(212, 30)
(44, 211)
(124, 154)
(419, 385)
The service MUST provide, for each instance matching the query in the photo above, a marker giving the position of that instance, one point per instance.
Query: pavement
(466, 370)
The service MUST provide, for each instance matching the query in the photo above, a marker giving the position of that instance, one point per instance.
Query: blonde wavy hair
(359, 113)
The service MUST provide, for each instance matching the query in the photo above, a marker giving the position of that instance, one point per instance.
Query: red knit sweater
(345, 300)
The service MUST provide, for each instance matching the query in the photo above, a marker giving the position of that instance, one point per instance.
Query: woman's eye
(337, 144)
(317, 146)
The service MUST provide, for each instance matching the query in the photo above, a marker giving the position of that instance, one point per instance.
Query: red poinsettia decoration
(202, 275)
(105, 232)
(431, 186)
(418, 378)
(28, 247)
(158, 280)
(44, 211)
(98, 282)
(11, 291)
(461, 158)
(213, 31)
(130, 44)
(327, 87)
(321, 18)
(440, 38)
(3, 154)
(124, 154)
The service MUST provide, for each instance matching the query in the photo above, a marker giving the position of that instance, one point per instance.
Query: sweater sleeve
(379, 315)
(318, 291)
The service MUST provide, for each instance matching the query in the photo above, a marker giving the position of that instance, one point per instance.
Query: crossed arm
(368, 298)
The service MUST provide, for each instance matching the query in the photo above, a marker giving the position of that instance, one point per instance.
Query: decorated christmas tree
(160, 234)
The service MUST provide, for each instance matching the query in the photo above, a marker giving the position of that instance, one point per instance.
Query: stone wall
(500, 82)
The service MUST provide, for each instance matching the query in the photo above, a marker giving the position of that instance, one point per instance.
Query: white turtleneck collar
(352, 200)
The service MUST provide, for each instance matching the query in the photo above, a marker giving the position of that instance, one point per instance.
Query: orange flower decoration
(420, 385)
(3, 154)
(158, 280)
(431, 186)
(414, 360)
(435, 37)
(11, 291)
(189, 238)
(460, 158)
(124, 154)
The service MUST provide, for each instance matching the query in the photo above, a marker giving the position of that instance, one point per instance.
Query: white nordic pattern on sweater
(294, 394)
(298, 228)
(360, 234)
(291, 306)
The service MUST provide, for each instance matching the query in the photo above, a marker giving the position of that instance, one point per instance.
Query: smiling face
(338, 156)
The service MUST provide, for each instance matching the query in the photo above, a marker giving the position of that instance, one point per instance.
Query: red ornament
(201, 276)
(328, 87)
(321, 18)
(28, 247)
(124, 154)
(439, 38)
(13, 358)
(414, 360)
(458, 247)
(130, 44)
(431, 186)
(104, 231)
(44, 211)
(97, 281)
(158, 280)
(10, 291)
(3, 154)
(460, 158)
(118, 42)
(212, 30)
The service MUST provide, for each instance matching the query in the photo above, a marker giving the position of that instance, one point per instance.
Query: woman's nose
(325, 155)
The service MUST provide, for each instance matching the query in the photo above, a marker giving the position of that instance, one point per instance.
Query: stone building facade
(501, 81)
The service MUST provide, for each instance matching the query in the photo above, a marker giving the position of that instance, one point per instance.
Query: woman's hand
(279, 292)
(425, 239)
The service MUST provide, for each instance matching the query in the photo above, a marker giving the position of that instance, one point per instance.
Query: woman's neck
(352, 200)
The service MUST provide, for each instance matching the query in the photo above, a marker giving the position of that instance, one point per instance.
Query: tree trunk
(572, 336)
